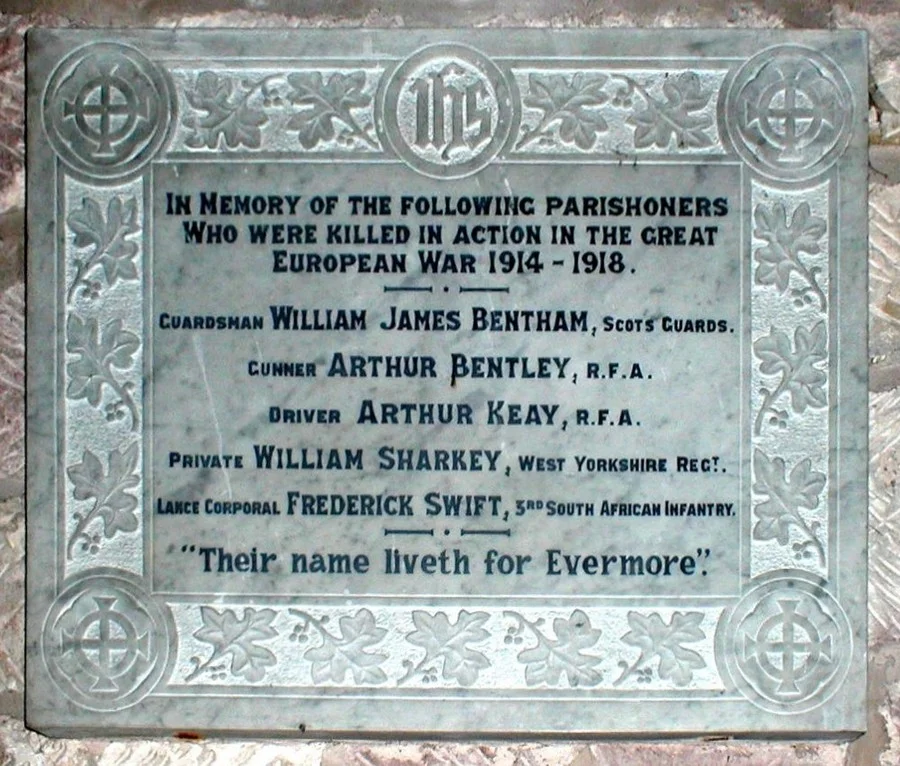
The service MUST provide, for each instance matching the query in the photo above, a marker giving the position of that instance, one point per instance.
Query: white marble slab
(446, 382)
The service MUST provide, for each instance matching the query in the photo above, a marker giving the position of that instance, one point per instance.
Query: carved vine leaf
(228, 117)
(108, 236)
(327, 107)
(550, 658)
(448, 643)
(796, 366)
(784, 497)
(678, 118)
(658, 641)
(344, 651)
(113, 504)
(98, 354)
(572, 103)
(239, 638)
(780, 257)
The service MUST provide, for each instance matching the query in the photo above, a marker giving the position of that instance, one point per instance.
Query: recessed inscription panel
(445, 372)
(449, 377)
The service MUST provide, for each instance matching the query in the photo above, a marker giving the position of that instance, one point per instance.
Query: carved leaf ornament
(665, 644)
(797, 368)
(678, 119)
(228, 118)
(238, 639)
(326, 105)
(113, 251)
(560, 655)
(780, 257)
(785, 497)
(113, 504)
(449, 645)
(231, 113)
(99, 353)
(347, 650)
(571, 103)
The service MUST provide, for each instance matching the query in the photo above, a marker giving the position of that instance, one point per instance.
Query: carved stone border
(657, 113)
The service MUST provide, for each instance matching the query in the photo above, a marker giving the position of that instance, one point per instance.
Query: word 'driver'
(475, 369)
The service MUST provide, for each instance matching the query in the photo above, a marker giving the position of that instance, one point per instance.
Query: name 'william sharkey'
(389, 458)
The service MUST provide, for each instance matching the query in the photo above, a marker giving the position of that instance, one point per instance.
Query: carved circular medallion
(106, 110)
(789, 112)
(787, 645)
(447, 111)
(105, 642)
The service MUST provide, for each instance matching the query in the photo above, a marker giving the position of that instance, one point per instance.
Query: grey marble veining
(521, 375)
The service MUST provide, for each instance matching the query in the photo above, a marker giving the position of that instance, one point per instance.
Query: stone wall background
(879, 747)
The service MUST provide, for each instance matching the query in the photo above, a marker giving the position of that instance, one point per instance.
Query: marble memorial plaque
(446, 382)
